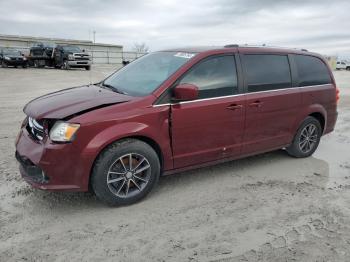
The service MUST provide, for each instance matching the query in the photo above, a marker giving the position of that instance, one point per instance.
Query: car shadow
(276, 165)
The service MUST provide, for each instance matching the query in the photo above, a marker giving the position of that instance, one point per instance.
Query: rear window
(267, 72)
(311, 71)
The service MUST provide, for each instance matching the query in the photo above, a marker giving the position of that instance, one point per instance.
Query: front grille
(36, 129)
(16, 59)
(81, 57)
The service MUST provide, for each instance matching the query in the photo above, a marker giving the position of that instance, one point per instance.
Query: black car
(12, 57)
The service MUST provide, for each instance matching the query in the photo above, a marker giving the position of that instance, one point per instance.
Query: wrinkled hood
(72, 101)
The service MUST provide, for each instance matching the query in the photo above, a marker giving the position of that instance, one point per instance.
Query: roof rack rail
(231, 45)
(267, 46)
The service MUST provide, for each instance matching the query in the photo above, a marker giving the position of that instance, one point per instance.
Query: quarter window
(267, 72)
(311, 71)
(214, 77)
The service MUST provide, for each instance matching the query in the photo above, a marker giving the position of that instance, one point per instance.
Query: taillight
(337, 94)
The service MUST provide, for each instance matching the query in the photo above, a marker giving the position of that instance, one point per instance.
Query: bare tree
(140, 48)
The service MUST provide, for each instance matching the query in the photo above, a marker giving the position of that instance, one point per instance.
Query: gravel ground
(269, 207)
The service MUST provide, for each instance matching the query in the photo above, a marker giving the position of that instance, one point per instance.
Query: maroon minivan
(176, 110)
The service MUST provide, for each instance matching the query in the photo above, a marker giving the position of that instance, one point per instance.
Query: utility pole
(94, 32)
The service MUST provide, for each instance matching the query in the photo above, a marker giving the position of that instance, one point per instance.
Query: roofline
(55, 40)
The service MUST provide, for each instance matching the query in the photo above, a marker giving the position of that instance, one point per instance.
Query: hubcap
(128, 175)
(308, 138)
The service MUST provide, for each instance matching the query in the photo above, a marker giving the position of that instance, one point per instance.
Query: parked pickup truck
(67, 56)
(343, 65)
(58, 56)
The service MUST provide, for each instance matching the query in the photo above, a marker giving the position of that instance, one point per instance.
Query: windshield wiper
(113, 88)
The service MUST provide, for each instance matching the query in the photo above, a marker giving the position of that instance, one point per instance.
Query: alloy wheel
(308, 138)
(128, 175)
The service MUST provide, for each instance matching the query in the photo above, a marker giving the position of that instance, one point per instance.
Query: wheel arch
(321, 118)
(151, 142)
(315, 110)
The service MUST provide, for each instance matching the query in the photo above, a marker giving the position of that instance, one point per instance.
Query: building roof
(54, 40)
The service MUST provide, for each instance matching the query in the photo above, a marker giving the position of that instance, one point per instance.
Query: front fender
(131, 129)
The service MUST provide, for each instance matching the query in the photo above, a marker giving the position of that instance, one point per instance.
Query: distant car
(12, 57)
(67, 56)
(343, 65)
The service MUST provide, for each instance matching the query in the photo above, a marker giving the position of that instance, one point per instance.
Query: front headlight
(71, 57)
(7, 58)
(24, 58)
(63, 132)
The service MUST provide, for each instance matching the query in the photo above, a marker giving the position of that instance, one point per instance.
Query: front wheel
(306, 139)
(125, 172)
(65, 65)
(3, 64)
(88, 68)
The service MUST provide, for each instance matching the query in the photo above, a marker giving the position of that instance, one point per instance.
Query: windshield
(73, 49)
(11, 52)
(144, 75)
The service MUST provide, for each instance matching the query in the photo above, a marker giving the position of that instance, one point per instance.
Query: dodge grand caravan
(175, 110)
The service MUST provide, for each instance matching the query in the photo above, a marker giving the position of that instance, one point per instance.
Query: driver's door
(211, 127)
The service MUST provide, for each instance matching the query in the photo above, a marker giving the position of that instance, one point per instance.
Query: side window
(267, 72)
(311, 71)
(214, 77)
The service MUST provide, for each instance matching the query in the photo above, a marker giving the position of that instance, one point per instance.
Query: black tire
(299, 148)
(348, 68)
(25, 65)
(3, 64)
(88, 68)
(114, 156)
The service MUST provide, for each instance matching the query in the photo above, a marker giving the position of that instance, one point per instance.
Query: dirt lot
(265, 208)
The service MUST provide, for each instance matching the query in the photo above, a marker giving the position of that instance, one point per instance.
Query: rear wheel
(125, 172)
(88, 68)
(306, 139)
(3, 64)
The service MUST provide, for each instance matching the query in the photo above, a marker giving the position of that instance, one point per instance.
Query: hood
(14, 56)
(72, 101)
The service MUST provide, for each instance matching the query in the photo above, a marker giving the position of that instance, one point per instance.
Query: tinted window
(215, 76)
(311, 71)
(267, 72)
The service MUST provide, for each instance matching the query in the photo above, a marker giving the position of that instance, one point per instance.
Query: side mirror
(185, 92)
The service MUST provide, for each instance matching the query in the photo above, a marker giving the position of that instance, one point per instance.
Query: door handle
(234, 107)
(256, 104)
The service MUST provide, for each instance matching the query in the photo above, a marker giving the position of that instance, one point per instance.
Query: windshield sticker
(184, 55)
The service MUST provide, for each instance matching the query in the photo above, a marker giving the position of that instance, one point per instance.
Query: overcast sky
(319, 25)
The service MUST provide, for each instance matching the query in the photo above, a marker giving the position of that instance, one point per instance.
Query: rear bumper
(49, 166)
